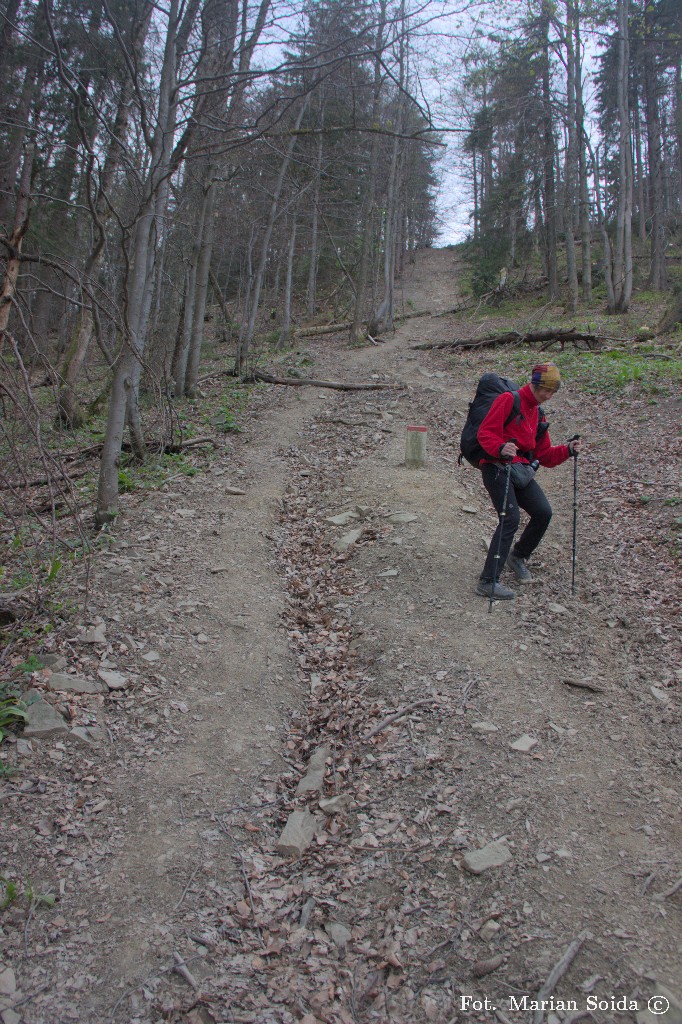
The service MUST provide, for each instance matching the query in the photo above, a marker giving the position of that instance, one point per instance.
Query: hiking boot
(501, 593)
(519, 568)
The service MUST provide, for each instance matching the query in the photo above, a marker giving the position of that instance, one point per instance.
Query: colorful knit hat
(546, 375)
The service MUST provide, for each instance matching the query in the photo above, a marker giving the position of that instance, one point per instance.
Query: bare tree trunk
(362, 285)
(107, 491)
(143, 317)
(382, 320)
(384, 314)
(227, 32)
(401, 227)
(14, 242)
(245, 342)
(640, 176)
(11, 160)
(606, 242)
(550, 203)
(537, 212)
(288, 288)
(622, 273)
(202, 275)
(176, 366)
(476, 211)
(69, 410)
(248, 286)
(677, 186)
(314, 232)
(367, 228)
(571, 160)
(657, 275)
(160, 279)
(181, 354)
(130, 365)
(40, 320)
(585, 228)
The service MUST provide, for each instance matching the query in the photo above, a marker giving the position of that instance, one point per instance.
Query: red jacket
(492, 433)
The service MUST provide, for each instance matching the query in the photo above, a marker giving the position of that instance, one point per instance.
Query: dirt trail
(243, 608)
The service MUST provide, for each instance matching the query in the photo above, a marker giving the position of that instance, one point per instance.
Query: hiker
(519, 440)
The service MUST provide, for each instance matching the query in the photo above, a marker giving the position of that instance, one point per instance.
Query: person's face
(543, 395)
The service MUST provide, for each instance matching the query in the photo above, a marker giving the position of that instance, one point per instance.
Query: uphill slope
(276, 638)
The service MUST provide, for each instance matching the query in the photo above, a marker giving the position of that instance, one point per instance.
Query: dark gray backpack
(489, 387)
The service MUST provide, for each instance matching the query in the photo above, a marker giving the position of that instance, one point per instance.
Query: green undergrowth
(13, 891)
(12, 711)
(33, 563)
(631, 356)
(226, 411)
(651, 371)
(294, 361)
(154, 473)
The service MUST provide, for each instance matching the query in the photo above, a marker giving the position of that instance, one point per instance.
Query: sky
(454, 202)
(448, 31)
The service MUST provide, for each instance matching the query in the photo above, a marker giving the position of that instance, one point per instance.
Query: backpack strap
(515, 409)
(543, 425)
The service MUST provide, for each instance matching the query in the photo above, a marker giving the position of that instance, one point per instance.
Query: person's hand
(575, 445)
(508, 450)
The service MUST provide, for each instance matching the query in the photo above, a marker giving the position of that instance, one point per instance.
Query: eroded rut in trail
(252, 638)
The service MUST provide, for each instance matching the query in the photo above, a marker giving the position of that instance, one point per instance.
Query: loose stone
(335, 804)
(313, 780)
(348, 539)
(494, 855)
(114, 680)
(342, 519)
(524, 743)
(298, 834)
(44, 721)
(73, 684)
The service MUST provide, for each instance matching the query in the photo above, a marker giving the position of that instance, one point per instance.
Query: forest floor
(143, 848)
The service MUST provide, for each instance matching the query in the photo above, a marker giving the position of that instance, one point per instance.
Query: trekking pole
(503, 514)
(575, 510)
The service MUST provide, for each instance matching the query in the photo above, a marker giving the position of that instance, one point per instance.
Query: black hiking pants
(531, 499)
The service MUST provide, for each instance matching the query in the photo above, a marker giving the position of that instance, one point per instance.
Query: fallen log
(345, 325)
(546, 338)
(314, 332)
(461, 308)
(160, 448)
(413, 316)
(512, 338)
(336, 385)
(41, 481)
